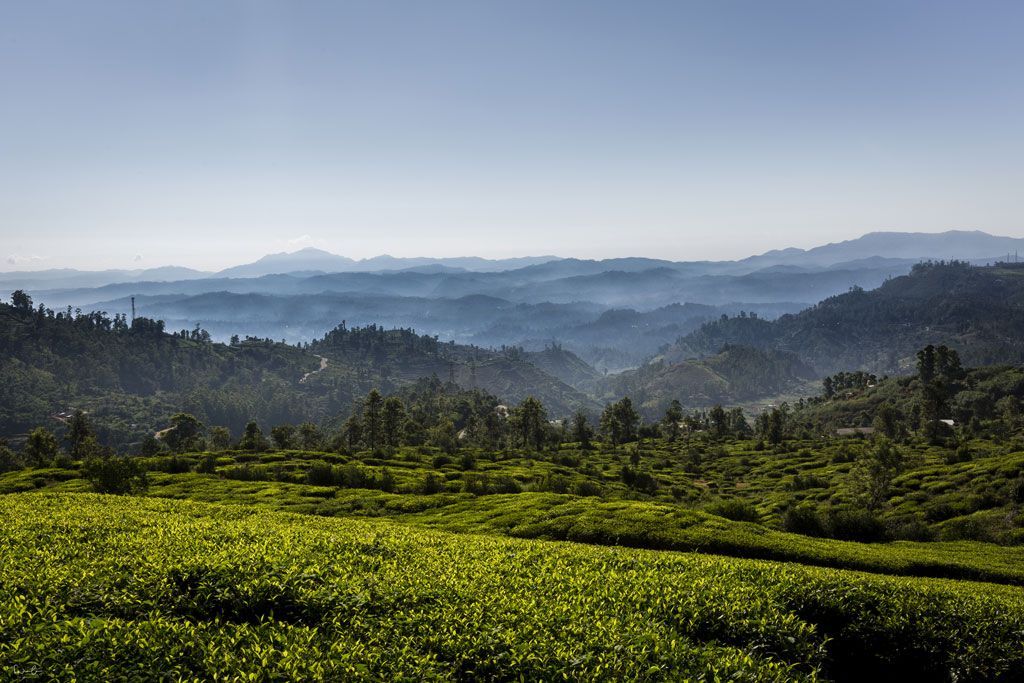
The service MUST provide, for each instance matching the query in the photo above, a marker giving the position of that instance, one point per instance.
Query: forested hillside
(734, 375)
(979, 311)
(131, 378)
(392, 357)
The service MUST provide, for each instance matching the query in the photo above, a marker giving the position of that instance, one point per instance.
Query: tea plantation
(101, 588)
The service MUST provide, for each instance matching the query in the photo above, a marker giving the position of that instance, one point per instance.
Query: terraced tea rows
(106, 588)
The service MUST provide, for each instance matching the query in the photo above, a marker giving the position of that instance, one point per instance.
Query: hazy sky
(209, 133)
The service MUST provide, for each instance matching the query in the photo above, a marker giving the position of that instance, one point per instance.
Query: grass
(108, 588)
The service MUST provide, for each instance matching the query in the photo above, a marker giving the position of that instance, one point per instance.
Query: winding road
(323, 366)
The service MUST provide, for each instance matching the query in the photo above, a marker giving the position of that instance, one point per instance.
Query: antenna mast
(133, 309)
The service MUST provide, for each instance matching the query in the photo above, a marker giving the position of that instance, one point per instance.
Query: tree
(393, 421)
(183, 433)
(926, 364)
(352, 433)
(719, 421)
(771, 425)
(947, 364)
(873, 473)
(581, 431)
(530, 420)
(933, 407)
(619, 421)
(373, 420)
(444, 435)
(116, 475)
(310, 438)
(150, 446)
(938, 368)
(889, 422)
(79, 429)
(738, 425)
(9, 460)
(670, 423)
(252, 438)
(21, 300)
(91, 448)
(220, 438)
(41, 447)
(283, 436)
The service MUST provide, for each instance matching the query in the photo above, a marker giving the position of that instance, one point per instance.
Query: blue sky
(209, 133)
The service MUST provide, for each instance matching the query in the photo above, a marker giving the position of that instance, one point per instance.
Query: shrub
(639, 481)
(112, 474)
(467, 461)
(320, 474)
(736, 509)
(855, 525)
(431, 484)
(961, 454)
(804, 519)
(586, 487)
(207, 465)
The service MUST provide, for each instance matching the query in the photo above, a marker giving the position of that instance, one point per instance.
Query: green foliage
(132, 379)
(619, 421)
(109, 589)
(252, 438)
(976, 310)
(41, 447)
(183, 433)
(736, 509)
(112, 474)
(9, 460)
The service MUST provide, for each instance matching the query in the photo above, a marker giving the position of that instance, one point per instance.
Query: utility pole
(133, 309)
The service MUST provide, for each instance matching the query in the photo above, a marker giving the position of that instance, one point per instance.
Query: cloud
(22, 260)
(300, 241)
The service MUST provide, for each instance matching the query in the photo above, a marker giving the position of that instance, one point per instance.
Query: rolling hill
(977, 310)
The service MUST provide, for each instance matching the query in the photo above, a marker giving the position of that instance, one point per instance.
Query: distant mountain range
(699, 354)
(311, 260)
(874, 249)
(613, 313)
(966, 245)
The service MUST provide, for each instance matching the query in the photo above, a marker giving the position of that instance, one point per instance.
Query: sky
(206, 134)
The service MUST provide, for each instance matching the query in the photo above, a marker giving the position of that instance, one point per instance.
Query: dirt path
(323, 366)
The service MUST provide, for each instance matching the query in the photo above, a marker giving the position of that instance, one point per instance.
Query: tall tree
(310, 438)
(8, 458)
(620, 421)
(252, 438)
(873, 473)
(530, 419)
(352, 432)
(393, 421)
(581, 431)
(926, 364)
(670, 423)
(41, 447)
(373, 420)
(21, 300)
(719, 422)
(184, 432)
(283, 436)
(78, 432)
